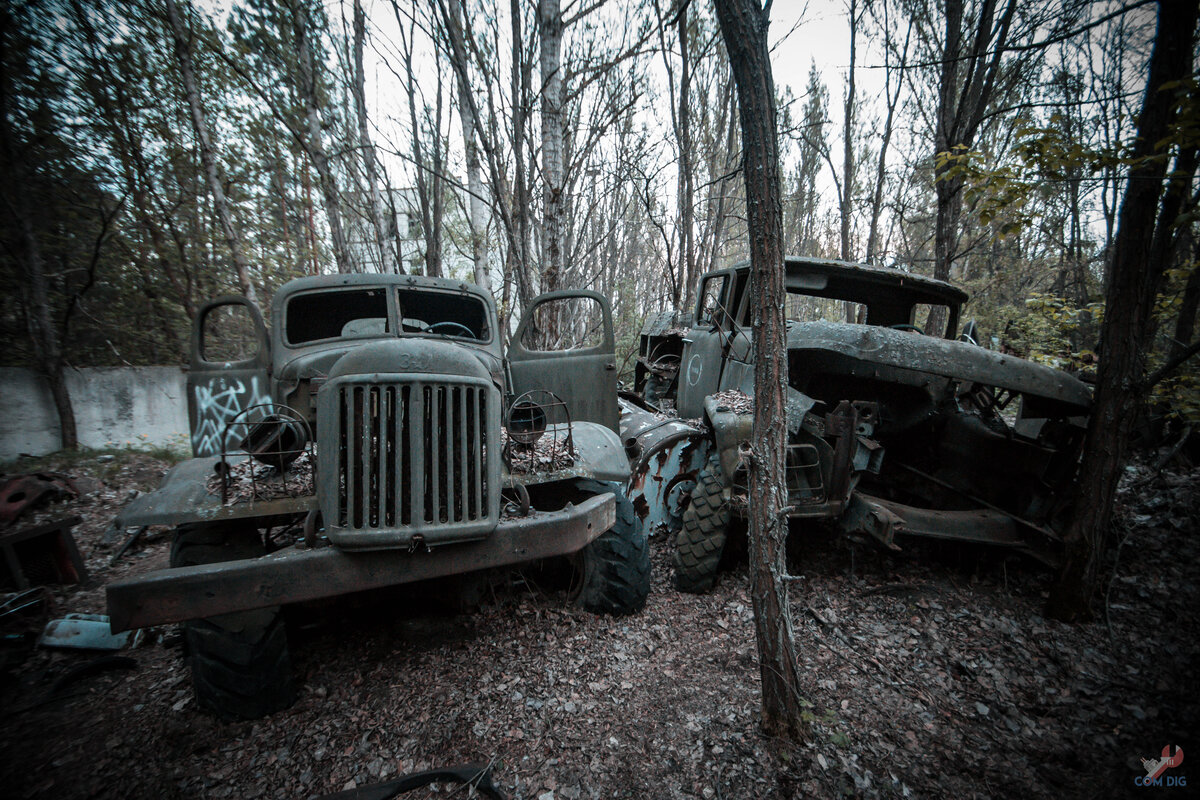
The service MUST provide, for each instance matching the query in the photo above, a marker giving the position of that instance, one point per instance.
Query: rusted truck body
(893, 427)
(377, 434)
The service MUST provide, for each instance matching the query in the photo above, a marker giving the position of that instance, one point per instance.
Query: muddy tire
(614, 570)
(701, 538)
(239, 662)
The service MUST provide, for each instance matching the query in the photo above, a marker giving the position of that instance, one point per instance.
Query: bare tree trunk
(744, 27)
(366, 148)
(872, 254)
(961, 107)
(550, 29)
(687, 245)
(1139, 260)
(428, 183)
(521, 100)
(44, 336)
(183, 54)
(477, 210)
(848, 149)
(315, 139)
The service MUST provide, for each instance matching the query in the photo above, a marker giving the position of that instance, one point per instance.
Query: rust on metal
(300, 574)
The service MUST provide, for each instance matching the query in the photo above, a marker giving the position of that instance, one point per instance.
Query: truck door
(700, 365)
(228, 373)
(565, 345)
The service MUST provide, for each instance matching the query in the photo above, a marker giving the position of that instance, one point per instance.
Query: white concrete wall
(113, 406)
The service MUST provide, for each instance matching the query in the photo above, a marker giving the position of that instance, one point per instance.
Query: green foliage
(1049, 332)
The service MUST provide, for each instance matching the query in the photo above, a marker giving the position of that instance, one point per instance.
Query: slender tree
(1145, 227)
(744, 26)
(183, 55)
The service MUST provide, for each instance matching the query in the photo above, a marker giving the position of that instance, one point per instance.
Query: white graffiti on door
(217, 402)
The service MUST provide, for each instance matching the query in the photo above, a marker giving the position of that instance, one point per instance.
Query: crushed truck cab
(898, 424)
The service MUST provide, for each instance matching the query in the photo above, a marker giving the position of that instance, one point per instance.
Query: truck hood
(942, 357)
(319, 361)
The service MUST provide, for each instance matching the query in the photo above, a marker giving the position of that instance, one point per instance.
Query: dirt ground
(930, 673)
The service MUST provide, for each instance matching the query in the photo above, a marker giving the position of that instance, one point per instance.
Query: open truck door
(229, 371)
(565, 345)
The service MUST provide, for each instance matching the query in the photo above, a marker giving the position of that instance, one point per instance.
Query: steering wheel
(904, 326)
(450, 324)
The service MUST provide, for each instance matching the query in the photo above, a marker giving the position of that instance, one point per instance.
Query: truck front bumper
(299, 573)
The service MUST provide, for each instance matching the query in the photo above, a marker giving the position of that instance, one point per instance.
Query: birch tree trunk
(687, 245)
(44, 337)
(550, 29)
(366, 148)
(744, 27)
(477, 208)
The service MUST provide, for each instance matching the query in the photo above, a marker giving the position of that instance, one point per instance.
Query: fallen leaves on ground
(930, 673)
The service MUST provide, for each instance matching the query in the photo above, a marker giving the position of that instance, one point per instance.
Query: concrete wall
(113, 406)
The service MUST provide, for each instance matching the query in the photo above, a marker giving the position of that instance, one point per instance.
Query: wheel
(614, 569)
(239, 662)
(701, 538)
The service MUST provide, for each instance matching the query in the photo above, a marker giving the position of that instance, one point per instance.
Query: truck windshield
(453, 314)
(345, 313)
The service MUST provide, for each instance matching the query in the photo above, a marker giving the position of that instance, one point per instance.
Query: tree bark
(44, 337)
(1134, 280)
(314, 139)
(477, 209)
(848, 151)
(687, 222)
(744, 28)
(872, 254)
(183, 54)
(961, 108)
(366, 147)
(550, 28)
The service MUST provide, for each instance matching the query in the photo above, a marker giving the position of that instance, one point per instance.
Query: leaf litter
(929, 673)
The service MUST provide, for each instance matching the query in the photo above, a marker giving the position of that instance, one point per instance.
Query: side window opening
(921, 314)
(565, 323)
(710, 310)
(806, 308)
(228, 334)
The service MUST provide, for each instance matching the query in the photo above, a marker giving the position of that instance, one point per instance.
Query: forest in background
(155, 154)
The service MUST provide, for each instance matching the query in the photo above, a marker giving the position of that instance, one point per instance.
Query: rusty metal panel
(666, 455)
(950, 359)
(300, 574)
(184, 497)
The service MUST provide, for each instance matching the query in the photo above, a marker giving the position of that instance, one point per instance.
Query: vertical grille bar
(353, 473)
(462, 497)
(417, 430)
(411, 455)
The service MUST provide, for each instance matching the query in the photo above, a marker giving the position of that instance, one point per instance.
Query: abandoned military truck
(378, 435)
(898, 423)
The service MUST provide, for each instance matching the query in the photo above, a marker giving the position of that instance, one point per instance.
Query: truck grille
(412, 457)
